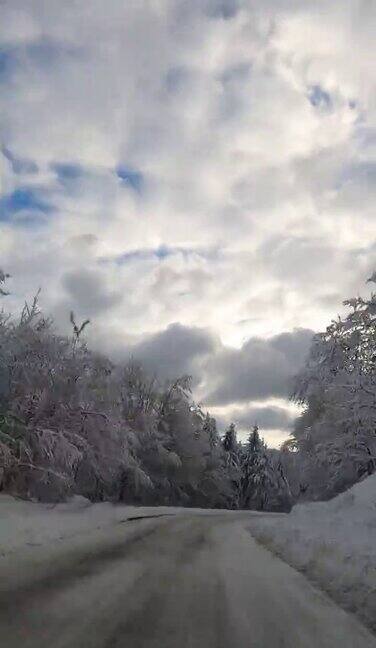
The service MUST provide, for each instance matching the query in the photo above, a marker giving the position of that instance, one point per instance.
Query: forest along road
(188, 581)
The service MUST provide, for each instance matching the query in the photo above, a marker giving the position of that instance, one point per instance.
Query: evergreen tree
(264, 486)
(230, 443)
(232, 452)
(210, 429)
(251, 472)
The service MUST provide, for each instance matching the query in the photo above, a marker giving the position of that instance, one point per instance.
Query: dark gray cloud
(269, 417)
(225, 9)
(260, 369)
(88, 292)
(175, 351)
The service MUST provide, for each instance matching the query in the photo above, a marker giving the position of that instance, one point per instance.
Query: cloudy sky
(196, 176)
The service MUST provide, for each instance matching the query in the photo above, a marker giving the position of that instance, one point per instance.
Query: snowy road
(172, 582)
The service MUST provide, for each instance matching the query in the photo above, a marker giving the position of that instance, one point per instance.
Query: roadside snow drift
(26, 524)
(29, 524)
(334, 543)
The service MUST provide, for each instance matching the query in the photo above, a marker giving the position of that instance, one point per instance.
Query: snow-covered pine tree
(264, 486)
(233, 463)
(251, 486)
(210, 429)
(230, 443)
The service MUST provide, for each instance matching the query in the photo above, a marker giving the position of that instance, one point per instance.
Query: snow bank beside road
(27, 524)
(32, 524)
(334, 543)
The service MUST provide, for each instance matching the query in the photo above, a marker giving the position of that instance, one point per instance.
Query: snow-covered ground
(334, 543)
(186, 581)
(28, 524)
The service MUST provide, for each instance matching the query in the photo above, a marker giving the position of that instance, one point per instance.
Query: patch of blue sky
(8, 64)
(43, 53)
(318, 97)
(165, 251)
(19, 165)
(161, 252)
(67, 172)
(47, 53)
(133, 256)
(23, 200)
(130, 177)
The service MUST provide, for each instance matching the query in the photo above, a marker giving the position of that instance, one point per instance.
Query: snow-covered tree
(290, 459)
(264, 486)
(210, 429)
(71, 421)
(233, 460)
(230, 442)
(3, 278)
(336, 433)
(252, 480)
